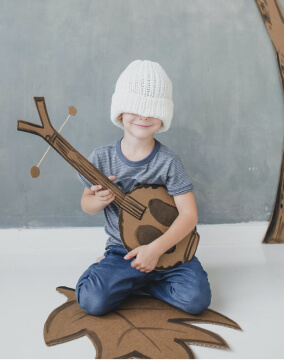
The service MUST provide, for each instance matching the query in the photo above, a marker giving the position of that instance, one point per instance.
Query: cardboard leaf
(141, 327)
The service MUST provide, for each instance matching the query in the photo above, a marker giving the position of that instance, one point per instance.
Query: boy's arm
(185, 222)
(90, 203)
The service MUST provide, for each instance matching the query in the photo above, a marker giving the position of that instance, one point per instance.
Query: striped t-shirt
(161, 166)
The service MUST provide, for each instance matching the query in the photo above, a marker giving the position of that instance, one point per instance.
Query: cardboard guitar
(145, 213)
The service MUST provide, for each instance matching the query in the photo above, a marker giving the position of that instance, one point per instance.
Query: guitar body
(160, 213)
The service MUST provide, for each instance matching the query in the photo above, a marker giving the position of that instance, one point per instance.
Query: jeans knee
(200, 300)
(90, 301)
(196, 300)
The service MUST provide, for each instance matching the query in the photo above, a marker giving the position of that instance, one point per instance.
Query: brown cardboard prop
(141, 327)
(143, 216)
(273, 18)
(35, 172)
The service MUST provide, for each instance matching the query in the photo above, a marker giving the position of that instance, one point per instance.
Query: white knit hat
(145, 89)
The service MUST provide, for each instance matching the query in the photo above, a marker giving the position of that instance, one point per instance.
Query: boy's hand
(146, 258)
(104, 196)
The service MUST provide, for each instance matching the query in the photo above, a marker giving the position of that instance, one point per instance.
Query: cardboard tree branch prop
(273, 18)
(141, 327)
(145, 213)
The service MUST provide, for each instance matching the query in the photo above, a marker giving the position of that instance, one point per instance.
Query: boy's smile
(144, 126)
(140, 125)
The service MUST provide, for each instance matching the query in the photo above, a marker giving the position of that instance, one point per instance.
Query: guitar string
(128, 203)
(136, 209)
(124, 200)
(50, 145)
(133, 209)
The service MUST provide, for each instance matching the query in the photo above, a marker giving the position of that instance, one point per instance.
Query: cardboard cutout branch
(273, 19)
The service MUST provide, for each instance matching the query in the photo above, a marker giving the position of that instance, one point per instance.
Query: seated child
(142, 106)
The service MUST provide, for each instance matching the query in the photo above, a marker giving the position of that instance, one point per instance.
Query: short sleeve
(93, 158)
(178, 181)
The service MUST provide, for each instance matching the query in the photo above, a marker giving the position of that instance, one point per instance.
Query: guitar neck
(95, 176)
(85, 167)
(78, 161)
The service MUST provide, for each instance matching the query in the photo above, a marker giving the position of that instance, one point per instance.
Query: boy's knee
(197, 303)
(92, 302)
(200, 300)
(196, 300)
(198, 306)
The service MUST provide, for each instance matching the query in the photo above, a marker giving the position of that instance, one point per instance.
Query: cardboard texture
(143, 216)
(35, 172)
(272, 16)
(157, 218)
(141, 327)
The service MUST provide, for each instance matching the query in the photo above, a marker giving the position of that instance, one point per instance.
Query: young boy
(141, 105)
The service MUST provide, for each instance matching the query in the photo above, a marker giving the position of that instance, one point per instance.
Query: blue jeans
(104, 285)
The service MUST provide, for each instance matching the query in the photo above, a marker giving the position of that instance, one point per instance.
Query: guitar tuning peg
(72, 110)
(35, 171)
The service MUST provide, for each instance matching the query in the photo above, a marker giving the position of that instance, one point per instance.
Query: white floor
(246, 277)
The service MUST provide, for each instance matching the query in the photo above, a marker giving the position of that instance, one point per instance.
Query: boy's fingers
(105, 193)
(96, 187)
(109, 199)
(108, 196)
(131, 254)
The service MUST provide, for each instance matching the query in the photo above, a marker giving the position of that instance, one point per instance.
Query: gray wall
(228, 115)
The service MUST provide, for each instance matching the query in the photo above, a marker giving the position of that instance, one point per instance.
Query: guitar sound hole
(164, 213)
(171, 250)
(145, 234)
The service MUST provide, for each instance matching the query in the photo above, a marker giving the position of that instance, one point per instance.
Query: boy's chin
(141, 136)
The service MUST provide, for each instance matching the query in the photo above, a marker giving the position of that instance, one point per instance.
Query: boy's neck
(135, 149)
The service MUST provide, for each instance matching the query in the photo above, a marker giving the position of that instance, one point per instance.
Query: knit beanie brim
(144, 106)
